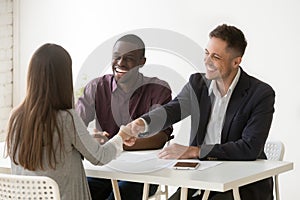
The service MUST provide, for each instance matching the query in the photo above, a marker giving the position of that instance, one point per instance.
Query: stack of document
(139, 162)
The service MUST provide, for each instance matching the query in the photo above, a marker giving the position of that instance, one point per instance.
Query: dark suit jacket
(246, 125)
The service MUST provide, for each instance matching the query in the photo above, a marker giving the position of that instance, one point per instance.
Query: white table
(221, 178)
(226, 176)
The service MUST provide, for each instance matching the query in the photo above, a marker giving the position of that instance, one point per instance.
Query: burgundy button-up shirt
(111, 107)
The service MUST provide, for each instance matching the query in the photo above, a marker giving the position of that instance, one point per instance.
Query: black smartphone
(186, 165)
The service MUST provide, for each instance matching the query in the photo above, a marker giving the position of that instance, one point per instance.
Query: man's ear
(142, 62)
(237, 61)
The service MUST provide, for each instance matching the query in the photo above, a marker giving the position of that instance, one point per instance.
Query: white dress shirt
(219, 107)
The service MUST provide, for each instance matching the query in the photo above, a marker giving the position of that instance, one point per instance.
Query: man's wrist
(194, 152)
(146, 126)
(122, 135)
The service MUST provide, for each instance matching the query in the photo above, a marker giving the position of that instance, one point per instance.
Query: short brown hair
(233, 36)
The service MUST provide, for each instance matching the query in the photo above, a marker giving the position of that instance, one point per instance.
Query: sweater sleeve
(89, 148)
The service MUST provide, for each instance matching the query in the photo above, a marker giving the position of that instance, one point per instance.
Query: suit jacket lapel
(200, 119)
(205, 111)
(235, 101)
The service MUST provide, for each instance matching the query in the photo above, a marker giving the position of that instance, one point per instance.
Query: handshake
(128, 133)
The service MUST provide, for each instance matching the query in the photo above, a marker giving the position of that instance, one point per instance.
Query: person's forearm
(191, 152)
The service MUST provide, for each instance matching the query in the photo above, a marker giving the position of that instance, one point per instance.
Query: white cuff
(146, 125)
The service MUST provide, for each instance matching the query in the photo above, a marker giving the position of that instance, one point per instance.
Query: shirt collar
(138, 82)
(213, 86)
(114, 84)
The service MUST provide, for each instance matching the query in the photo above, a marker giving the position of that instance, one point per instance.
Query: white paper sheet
(148, 161)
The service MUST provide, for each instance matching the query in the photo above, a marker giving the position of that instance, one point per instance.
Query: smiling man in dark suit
(231, 113)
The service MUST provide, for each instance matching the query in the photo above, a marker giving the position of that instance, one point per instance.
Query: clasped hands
(102, 137)
(130, 132)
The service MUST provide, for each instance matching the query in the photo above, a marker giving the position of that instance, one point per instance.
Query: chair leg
(158, 194)
(166, 192)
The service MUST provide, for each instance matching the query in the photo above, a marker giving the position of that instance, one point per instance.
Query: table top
(223, 177)
(220, 178)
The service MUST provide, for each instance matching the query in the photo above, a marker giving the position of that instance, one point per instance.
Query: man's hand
(128, 140)
(101, 137)
(134, 128)
(177, 151)
(137, 126)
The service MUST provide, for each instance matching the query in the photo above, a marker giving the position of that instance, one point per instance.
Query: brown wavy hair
(33, 124)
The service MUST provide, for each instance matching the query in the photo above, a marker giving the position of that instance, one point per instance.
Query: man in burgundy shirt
(117, 99)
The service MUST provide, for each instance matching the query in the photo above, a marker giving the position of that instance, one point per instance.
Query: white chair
(160, 192)
(275, 151)
(28, 187)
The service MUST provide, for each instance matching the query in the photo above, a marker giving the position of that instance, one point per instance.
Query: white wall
(6, 63)
(271, 27)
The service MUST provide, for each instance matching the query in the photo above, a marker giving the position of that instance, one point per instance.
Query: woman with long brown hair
(46, 136)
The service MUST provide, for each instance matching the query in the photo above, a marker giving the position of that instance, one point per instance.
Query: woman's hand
(101, 137)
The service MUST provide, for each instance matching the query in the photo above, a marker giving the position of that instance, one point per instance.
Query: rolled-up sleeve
(85, 105)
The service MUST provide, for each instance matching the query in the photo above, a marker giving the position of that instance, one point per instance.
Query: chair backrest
(274, 150)
(28, 187)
